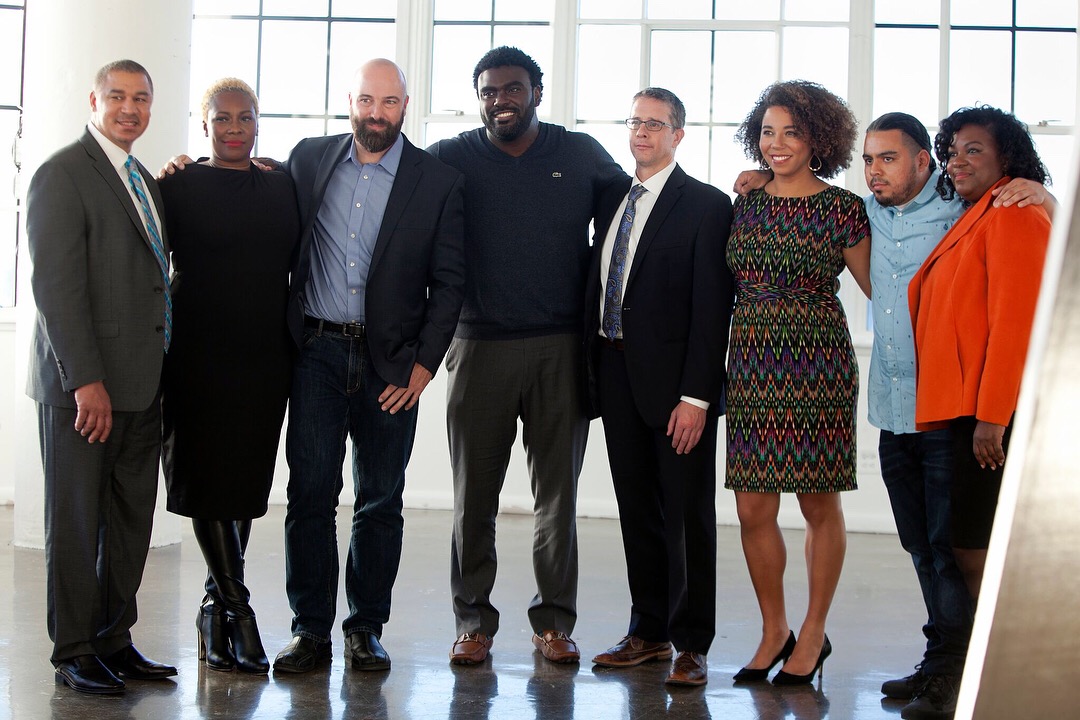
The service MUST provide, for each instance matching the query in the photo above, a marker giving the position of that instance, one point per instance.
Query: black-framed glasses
(650, 125)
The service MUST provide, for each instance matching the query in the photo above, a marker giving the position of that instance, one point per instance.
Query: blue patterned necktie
(136, 181)
(613, 292)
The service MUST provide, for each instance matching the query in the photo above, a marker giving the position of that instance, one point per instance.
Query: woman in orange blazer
(972, 306)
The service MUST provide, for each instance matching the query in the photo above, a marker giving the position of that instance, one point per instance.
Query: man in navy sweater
(531, 190)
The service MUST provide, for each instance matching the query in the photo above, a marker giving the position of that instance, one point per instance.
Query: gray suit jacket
(97, 285)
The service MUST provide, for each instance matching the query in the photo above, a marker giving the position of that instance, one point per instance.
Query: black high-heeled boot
(222, 543)
(214, 648)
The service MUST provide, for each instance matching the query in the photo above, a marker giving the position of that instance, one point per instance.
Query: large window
(11, 59)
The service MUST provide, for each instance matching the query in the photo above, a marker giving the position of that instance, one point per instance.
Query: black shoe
(905, 688)
(133, 665)
(247, 645)
(783, 678)
(759, 674)
(86, 674)
(303, 655)
(213, 638)
(363, 651)
(935, 701)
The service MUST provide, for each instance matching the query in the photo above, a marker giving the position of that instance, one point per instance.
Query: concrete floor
(874, 626)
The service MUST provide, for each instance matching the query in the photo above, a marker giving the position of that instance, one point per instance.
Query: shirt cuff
(695, 402)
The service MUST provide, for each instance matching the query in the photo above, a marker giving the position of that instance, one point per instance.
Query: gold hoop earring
(811, 164)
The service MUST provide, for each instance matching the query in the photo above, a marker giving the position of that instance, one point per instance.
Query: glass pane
(980, 68)
(278, 136)
(433, 132)
(536, 42)
(1056, 153)
(899, 56)
(293, 81)
(981, 12)
(614, 138)
(221, 48)
(337, 126)
(626, 9)
(462, 10)
(225, 7)
(737, 82)
(1046, 13)
(1046, 77)
(362, 9)
(829, 10)
(296, 8)
(682, 63)
(817, 54)
(9, 125)
(604, 88)
(454, 52)
(693, 153)
(377, 40)
(728, 159)
(11, 22)
(517, 10)
(742, 10)
(680, 9)
(922, 12)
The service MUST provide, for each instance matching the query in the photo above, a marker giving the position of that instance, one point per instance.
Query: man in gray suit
(100, 282)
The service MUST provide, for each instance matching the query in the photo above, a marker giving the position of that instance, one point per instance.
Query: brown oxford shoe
(689, 668)
(557, 646)
(631, 651)
(470, 649)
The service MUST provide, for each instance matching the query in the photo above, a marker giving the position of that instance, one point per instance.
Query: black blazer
(677, 301)
(417, 276)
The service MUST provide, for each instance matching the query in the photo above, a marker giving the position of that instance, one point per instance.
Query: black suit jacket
(417, 276)
(677, 301)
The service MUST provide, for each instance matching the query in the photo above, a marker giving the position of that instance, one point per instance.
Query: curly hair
(228, 84)
(504, 56)
(822, 118)
(1019, 158)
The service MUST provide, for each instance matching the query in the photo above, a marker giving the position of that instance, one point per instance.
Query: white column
(66, 42)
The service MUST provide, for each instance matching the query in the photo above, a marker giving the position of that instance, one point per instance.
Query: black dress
(227, 374)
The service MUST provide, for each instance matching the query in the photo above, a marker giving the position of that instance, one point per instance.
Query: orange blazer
(972, 305)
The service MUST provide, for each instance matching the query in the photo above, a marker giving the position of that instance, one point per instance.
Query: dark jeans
(918, 473)
(335, 395)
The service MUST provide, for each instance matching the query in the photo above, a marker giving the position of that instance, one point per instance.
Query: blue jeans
(918, 472)
(335, 395)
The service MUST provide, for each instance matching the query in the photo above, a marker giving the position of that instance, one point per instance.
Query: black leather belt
(616, 344)
(355, 330)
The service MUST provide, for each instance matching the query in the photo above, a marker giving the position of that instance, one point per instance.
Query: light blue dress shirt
(901, 240)
(346, 228)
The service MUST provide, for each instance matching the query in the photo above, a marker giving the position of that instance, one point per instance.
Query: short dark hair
(678, 110)
(128, 66)
(825, 121)
(910, 126)
(1019, 158)
(506, 56)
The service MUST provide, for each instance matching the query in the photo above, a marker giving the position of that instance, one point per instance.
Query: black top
(228, 371)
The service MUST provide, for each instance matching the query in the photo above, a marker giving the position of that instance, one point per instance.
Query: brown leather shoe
(631, 651)
(470, 649)
(557, 646)
(689, 668)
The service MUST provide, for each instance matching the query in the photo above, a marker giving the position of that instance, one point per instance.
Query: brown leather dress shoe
(557, 646)
(631, 651)
(689, 668)
(470, 649)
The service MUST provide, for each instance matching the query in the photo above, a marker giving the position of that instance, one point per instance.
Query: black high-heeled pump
(783, 678)
(759, 674)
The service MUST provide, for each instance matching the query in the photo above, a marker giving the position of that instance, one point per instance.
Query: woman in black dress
(227, 374)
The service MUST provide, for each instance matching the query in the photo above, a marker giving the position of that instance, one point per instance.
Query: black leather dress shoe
(302, 655)
(363, 651)
(86, 674)
(132, 664)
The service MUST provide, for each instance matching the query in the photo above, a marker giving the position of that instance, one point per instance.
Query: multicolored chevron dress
(792, 374)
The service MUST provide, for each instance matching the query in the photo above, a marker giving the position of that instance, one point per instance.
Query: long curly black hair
(1018, 155)
(824, 120)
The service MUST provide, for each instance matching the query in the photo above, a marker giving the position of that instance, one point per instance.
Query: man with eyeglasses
(658, 304)
(530, 193)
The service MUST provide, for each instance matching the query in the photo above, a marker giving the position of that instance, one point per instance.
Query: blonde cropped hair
(228, 84)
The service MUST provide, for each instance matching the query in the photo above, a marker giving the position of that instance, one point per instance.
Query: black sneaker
(905, 688)
(936, 699)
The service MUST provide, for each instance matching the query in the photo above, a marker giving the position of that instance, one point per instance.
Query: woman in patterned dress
(792, 372)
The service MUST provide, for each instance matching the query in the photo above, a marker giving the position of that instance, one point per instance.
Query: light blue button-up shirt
(902, 239)
(346, 228)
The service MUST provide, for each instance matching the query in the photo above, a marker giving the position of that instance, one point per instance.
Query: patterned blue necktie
(613, 292)
(155, 241)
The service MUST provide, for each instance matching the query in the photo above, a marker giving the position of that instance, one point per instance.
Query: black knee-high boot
(214, 647)
(223, 547)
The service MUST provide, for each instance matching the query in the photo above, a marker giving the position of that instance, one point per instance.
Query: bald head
(383, 71)
(377, 105)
